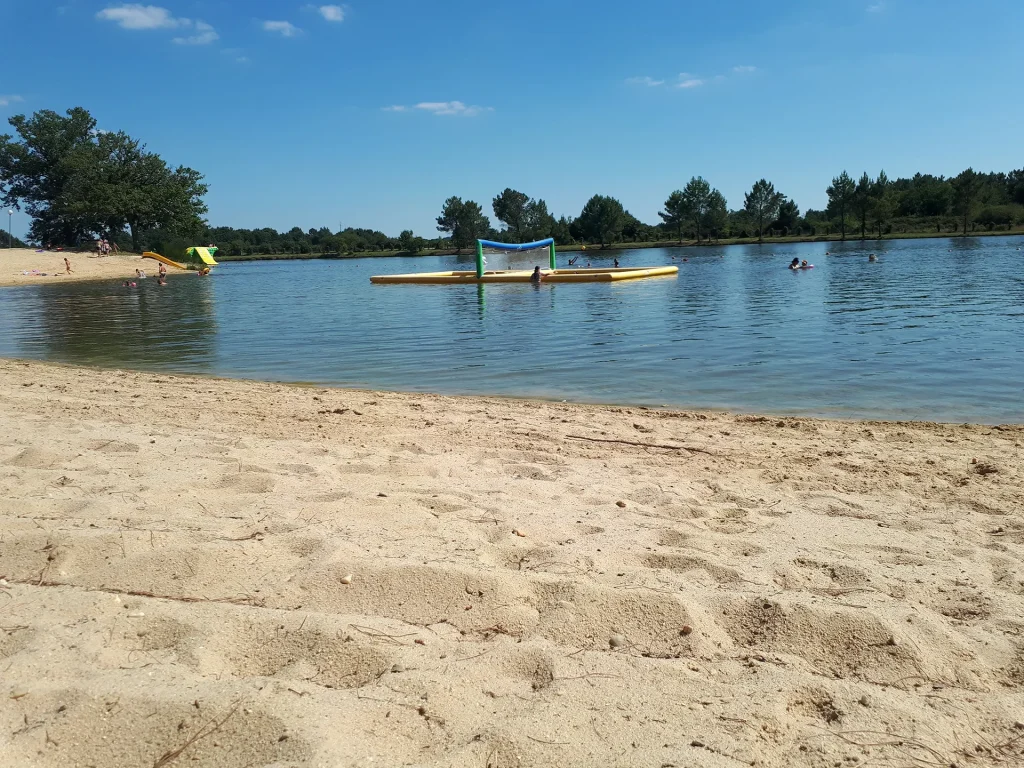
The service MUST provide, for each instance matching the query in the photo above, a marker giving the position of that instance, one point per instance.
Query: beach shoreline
(25, 266)
(300, 575)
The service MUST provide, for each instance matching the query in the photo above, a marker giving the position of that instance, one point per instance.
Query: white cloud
(205, 34)
(650, 82)
(744, 69)
(451, 108)
(876, 7)
(6, 101)
(136, 16)
(332, 12)
(691, 82)
(286, 28)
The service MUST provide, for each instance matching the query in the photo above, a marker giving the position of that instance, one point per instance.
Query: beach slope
(25, 266)
(229, 573)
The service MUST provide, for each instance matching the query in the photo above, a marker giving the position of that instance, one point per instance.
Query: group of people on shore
(105, 247)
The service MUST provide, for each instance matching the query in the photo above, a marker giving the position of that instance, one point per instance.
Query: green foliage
(762, 204)
(788, 220)
(510, 208)
(965, 194)
(465, 221)
(78, 183)
(840, 198)
(862, 201)
(674, 215)
(409, 242)
(601, 219)
(697, 203)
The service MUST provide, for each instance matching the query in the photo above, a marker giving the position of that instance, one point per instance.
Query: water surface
(933, 330)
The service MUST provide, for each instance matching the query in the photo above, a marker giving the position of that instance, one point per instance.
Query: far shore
(27, 266)
(616, 247)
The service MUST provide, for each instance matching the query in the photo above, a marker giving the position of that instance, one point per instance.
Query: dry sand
(24, 266)
(227, 573)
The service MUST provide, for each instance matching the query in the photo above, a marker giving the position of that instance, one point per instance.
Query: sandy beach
(230, 573)
(25, 266)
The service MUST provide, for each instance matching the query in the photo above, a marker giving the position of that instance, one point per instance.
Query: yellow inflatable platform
(523, 276)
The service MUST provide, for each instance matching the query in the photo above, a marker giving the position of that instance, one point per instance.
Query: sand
(229, 573)
(23, 266)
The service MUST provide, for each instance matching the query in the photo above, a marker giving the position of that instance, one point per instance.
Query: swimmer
(616, 263)
(536, 277)
(805, 265)
(162, 280)
(872, 257)
(795, 264)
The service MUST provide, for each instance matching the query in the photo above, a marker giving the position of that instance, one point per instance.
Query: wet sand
(232, 573)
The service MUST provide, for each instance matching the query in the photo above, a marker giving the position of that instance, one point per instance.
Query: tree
(883, 202)
(37, 170)
(601, 219)
(696, 202)
(465, 221)
(77, 182)
(840, 196)
(717, 217)
(862, 201)
(674, 214)
(965, 192)
(788, 218)
(511, 209)
(409, 242)
(762, 204)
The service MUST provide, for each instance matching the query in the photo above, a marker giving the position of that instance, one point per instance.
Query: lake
(933, 330)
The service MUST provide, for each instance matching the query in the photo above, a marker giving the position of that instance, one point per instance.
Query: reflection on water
(933, 329)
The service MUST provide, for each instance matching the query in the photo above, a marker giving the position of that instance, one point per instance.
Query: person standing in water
(536, 277)
(794, 264)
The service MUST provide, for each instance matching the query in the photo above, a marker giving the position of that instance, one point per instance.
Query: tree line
(79, 183)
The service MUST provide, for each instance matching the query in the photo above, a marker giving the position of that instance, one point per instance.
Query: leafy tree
(862, 201)
(840, 197)
(510, 208)
(77, 182)
(601, 219)
(465, 221)
(674, 215)
(788, 218)
(883, 202)
(409, 242)
(762, 204)
(37, 170)
(696, 202)
(965, 193)
(716, 219)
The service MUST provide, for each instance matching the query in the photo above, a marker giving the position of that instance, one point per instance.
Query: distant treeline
(79, 184)
(866, 207)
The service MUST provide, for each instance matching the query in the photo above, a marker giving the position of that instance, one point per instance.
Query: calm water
(933, 330)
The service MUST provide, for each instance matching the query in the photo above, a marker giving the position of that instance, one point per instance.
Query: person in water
(795, 264)
(536, 277)
(872, 257)
(616, 263)
(804, 264)
(161, 280)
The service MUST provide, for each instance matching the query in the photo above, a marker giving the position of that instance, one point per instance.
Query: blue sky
(371, 113)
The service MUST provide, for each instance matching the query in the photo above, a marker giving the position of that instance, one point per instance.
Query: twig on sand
(545, 741)
(207, 730)
(689, 448)
(377, 634)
